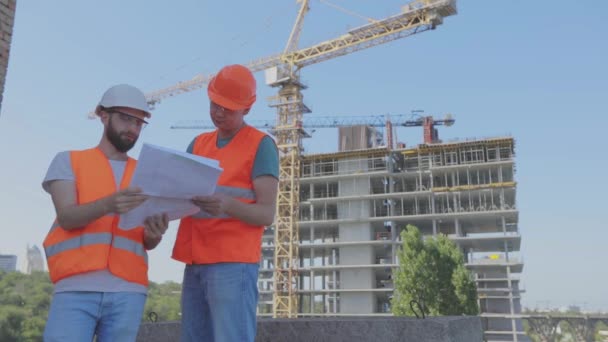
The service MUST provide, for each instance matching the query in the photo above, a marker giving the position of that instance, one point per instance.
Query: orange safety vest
(100, 244)
(204, 239)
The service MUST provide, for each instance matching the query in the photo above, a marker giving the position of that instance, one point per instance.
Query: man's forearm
(255, 214)
(78, 216)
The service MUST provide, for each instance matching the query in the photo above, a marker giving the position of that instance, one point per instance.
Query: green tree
(24, 304)
(413, 271)
(163, 302)
(11, 321)
(432, 273)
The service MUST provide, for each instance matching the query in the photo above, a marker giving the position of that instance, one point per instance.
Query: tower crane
(389, 121)
(283, 72)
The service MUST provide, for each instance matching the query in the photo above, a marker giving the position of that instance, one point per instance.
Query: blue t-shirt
(266, 161)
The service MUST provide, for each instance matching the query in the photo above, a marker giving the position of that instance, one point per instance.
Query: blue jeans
(219, 303)
(77, 316)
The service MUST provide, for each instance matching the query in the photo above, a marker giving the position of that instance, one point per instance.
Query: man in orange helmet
(98, 267)
(221, 245)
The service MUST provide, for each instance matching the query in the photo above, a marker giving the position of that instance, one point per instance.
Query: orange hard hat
(233, 87)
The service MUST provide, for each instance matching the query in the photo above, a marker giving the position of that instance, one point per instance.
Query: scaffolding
(353, 206)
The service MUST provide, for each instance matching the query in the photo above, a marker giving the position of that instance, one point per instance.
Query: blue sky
(535, 70)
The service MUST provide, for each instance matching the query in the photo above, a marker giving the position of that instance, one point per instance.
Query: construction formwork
(354, 205)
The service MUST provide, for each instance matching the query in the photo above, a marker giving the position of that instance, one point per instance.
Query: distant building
(34, 260)
(8, 263)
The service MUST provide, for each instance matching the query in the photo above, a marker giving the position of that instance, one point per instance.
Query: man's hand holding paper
(214, 205)
(125, 200)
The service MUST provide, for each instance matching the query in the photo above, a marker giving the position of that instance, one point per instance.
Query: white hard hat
(124, 95)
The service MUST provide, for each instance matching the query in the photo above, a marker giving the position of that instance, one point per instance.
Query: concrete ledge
(334, 329)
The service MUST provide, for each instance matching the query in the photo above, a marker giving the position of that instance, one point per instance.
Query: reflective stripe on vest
(97, 238)
(130, 246)
(233, 191)
(205, 215)
(77, 242)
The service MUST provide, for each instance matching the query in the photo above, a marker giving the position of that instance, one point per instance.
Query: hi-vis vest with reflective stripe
(202, 239)
(101, 244)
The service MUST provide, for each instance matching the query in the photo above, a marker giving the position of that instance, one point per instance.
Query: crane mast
(290, 108)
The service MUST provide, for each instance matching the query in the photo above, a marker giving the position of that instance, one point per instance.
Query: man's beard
(115, 139)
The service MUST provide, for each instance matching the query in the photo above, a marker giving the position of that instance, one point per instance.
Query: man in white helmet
(99, 268)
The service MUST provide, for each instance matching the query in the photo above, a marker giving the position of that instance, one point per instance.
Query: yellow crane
(283, 71)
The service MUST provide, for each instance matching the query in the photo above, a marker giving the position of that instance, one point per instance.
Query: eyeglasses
(217, 108)
(128, 118)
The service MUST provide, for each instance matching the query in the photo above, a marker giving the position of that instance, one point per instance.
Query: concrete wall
(357, 138)
(7, 20)
(331, 329)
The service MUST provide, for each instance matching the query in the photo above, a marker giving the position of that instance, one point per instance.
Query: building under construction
(355, 203)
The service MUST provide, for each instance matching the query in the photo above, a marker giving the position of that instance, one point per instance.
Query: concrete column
(355, 255)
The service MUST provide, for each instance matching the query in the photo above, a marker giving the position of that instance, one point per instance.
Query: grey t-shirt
(96, 281)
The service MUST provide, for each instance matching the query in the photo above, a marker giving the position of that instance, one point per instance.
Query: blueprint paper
(171, 178)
